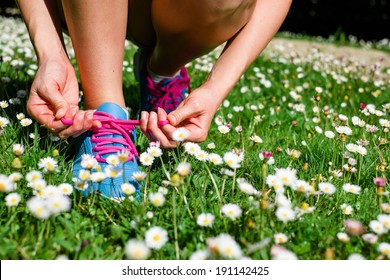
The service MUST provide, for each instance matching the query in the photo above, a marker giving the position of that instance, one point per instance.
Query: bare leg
(98, 30)
(188, 29)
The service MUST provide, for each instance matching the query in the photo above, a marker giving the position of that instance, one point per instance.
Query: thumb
(180, 114)
(59, 103)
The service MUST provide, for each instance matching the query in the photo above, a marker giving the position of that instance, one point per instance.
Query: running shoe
(167, 94)
(113, 150)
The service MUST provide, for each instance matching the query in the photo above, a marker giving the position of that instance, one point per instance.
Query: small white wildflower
(280, 238)
(12, 199)
(156, 237)
(157, 199)
(205, 219)
(136, 250)
(128, 188)
(180, 134)
(233, 211)
(26, 122)
(18, 149)
(146, 159)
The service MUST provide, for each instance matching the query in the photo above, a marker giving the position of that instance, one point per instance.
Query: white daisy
(285, 214)
(327, 188)
(205, 219)
(38, 208)
(156, 237)
(157, 199)
(351, 188)
(128, 188)
(12, 199)
(6, 184)
(18, 149)
(48, 164)
(137, 250)
(280, 238)
(226, 246)
(183, 168)
(233, 211)
(65, 188)
(146, 159)
(215, 158)
(180, 134)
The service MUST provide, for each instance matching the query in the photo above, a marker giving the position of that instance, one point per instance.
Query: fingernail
(153, 115)
(90, 116)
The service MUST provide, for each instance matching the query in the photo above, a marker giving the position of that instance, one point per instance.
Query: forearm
(43, 23)
(246, 46)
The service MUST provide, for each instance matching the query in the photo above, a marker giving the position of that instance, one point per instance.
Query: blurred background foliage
(364, 19)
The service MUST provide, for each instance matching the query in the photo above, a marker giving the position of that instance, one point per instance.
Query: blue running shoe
(113, 152)
(167, 94)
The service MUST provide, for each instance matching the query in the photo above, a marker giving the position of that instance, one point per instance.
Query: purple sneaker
(167, 94)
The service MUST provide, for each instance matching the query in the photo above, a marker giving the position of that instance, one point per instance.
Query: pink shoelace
(168, 96)
(105, 143)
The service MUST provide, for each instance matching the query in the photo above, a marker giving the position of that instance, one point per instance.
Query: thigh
(140, 28)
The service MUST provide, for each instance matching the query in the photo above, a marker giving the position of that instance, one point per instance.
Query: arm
(54, 93)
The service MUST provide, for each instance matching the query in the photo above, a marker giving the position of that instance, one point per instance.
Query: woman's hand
(54, 95)
(195, 114)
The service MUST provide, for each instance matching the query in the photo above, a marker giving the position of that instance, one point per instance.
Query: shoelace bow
(169, 95)
(103, 136)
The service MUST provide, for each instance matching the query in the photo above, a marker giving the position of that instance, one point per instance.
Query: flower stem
(175, 226)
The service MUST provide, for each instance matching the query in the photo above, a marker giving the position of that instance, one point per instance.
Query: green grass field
(296, 165)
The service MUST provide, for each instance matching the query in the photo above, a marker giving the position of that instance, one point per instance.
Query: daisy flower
(136, 250)
(223, 129)
(211, 146)
(180, 134)
(200, 255)
(58, 203)
(146, 159)
(285, 214)
(329, 134)
(38, 208)
(226, 246)
(232, 160)
(65, 188)
(233, 211)
(343, 237)
(112, 171)
(18, 149)
(84, 175)
(88, 161)
(384, 248)
(155, 151)
(343, 130)
(12, 199)
(377, 227)
(351, 188)
(48, 164)
(385, 220)
(256, 139)
(128, 189)
(215, 159)
(246, 187)
(286, 175)
(15, 176)
(280, 238)
(201, 155)
(156, 237)
(139, 176)
(205, 219)
(191, 148)
(113, 159)
(98, 177)
(25, 122)
(183, 168)
(278, 252)
(157, 199)
(327, 188)
(6, 184)
(346, 209)
(3, 122)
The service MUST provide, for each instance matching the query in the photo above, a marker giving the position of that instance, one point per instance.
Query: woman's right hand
(54, 95)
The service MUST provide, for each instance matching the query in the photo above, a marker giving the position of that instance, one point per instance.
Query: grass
(289, 102)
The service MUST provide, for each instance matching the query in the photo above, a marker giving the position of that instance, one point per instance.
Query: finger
(167, 129)
(81, 123)
(144, 125)
(156, 132)
(181, 114)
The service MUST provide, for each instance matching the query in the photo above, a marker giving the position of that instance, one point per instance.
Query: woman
(170, 34)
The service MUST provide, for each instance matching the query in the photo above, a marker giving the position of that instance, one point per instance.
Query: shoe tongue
(113, 109)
